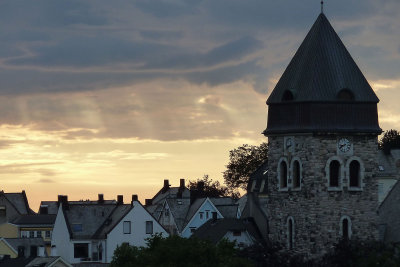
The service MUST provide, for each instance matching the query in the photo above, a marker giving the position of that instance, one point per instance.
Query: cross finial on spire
(322, 6)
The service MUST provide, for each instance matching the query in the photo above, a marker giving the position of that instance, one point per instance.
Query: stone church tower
(322, 131)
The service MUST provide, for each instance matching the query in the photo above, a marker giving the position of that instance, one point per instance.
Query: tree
(390, 140)
(212, 188)
(243, 161)
(178, 251)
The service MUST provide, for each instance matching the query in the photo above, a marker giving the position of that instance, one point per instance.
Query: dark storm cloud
(49, 46)
(48, 13)
(174, 8)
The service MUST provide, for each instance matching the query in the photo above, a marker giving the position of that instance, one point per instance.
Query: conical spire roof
(320, 69)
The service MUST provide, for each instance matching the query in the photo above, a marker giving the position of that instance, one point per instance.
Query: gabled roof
(35, 219)
(225, 206)
(259, 175)
(25, 242)
(16, 262)
(171, 192)
(90, 216)
(215, 230)
(113, 219)
(19, 201)
(52, 206)
(322, 67)
(179, 209)
(47, 262)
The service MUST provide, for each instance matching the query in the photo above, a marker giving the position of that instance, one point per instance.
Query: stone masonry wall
(316, 210)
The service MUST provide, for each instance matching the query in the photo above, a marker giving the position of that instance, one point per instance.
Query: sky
(113, 97)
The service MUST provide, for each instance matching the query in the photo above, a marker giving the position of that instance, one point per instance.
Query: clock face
(344, 145)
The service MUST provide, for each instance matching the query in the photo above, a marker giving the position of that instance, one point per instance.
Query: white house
(90, 231)
(204, 209)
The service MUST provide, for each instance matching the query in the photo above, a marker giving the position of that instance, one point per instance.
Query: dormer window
(345, 95)
(287, 96)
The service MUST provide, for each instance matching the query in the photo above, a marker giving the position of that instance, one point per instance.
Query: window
(345, 227)
(296, 174)
(31, 234)
(2, 211)
(149, 227)
(237, 233)
(287, 96)
(334, 171)
(24, 234)
(48, 234)
(354, 174)
(39, 233)
(207, 214)
(127, 227)
(81, 250)
(345, 95)
(77, 227)
(290, 232)
(201, 215)
(192, 229)
(283, 174)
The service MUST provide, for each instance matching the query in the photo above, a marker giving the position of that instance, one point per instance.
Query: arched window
(287, 96)
(334, 173)
(345, 227)
(345, 95)
(296, 174)
(283, 171)
(354, 174)
(290, 232)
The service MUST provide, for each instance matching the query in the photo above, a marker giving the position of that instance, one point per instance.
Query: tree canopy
(389, 140)
(212, 188)
(178, 251)
(243, 161)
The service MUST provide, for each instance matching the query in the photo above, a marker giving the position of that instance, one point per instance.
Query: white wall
(138, 217)
(196, 222)
(61, 239)
(244, 238)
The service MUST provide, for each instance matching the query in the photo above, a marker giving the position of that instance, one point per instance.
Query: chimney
(135, 198)
(53, 251)
(101, 199)
(43, 209)
(181, 188)
(166, 186)
(148, 202)
(182, 184)
(63, 199)
(41, 251)
(120, 199)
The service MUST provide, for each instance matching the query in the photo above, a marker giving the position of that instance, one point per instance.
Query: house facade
(89, 232)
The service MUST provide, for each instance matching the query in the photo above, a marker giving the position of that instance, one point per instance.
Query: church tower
(322, 132)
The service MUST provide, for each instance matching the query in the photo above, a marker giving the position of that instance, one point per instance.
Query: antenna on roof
(322, 7)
